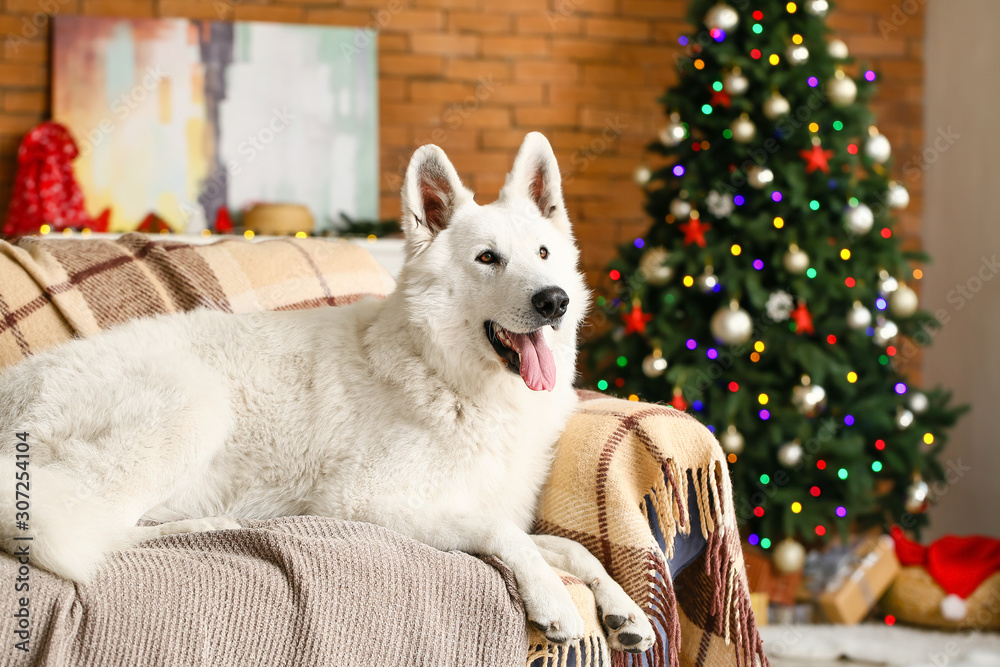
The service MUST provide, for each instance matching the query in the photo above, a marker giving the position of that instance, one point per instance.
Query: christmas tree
(769, 296)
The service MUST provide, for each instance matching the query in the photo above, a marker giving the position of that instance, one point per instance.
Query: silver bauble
(776, 106)
(790, 454)
(674, 132)
(859, 219)
(886, 283)
(642, 174)
(759, 177)
(654, 365)
(885, 331)
(707, 281)
(653, 266)
(841, 89)
(797, 54)
(732, 440)
(898, 196)
(743, 129)
(789, 556)
(903, 302)
(779, 306)
(904, 418)
(735, 83)
(919, 402)
(680, 208)
(859, 318)
(796, 260)
(917, 496)
(878, 148)
(720, 204)
(837, 49)
(808, 397)
(722, 16)
(817, 7)
(731, 325)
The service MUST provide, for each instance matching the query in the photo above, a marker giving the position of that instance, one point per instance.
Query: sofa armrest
(644, 487)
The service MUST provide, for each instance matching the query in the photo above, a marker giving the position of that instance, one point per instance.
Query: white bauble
(641, 175)
(903, 302)
(732, 440)
(707, 281)
(898, 196)
(886, 283)
(680, 208)
(919, 402)
(743, 129)
(779, 306)
(722, 16)
(859, 318)
(674, 132)
(917, 496)
(653, 266)
(796, 260)
(885, 331)
(654, 365)
(759, 177)
(808, 397)
(841, 89)
(904, 418)
(797, 54)
(790, 454)
(837, 49)
(789, 556)
(859, 219)
(776, 106)
(731, 325)
(817, 7)
(720, 204)
(735, 83)
(878, 148)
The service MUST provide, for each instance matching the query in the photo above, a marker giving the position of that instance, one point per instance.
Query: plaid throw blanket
(613, 456)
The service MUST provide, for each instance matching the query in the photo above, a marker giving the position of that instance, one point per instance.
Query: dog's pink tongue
(538, 368)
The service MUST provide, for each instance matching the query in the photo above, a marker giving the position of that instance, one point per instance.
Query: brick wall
(475, 75)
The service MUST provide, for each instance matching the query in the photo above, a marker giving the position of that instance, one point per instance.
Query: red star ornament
(803, 319)
(817, 158)
(694, 231)
(721, 97)
(636, 320)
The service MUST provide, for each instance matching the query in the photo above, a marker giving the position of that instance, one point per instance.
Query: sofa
(644, 487)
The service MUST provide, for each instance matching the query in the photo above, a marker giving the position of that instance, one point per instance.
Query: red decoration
(957, 564)
(694, 231)
(721, 97)
(636, 320)
(223, 223)
(101, 222)
(678, 401)
(817, 158)
(153, 224)
(803, 319)
(45, 191)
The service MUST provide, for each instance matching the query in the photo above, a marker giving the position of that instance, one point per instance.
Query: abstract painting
(180, 117)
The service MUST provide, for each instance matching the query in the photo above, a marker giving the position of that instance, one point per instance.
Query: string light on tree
(707, 281)
(797, 54)
(817, 8)
(674, 132)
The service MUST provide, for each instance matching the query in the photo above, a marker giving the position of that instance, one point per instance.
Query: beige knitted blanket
(613, 455)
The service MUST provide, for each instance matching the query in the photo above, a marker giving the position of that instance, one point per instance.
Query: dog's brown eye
(486, 258)
(543, 252)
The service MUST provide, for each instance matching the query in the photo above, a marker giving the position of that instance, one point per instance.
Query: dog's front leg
(624, 622)
(546, 601)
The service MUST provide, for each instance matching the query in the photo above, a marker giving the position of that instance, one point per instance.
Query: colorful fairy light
(845, 254)
(880, 444)
(758, 264)
(820, 465)
(734, 386)
(688, 281)
(821, 531)
(762, 399)
(739, 200)
(796, 507)
(765, 543)
(757, 28)
(849, 281)
(796, 39)
(678, 170)
(831, 339)
(773, 59)
(758, 511)
(682, 40)
(891, 350)
(712, 353)
(812, 81)
(731, 458)
(814, 491)
(876, 466)
(699, 64)
(880, 303)
(848, 420)
(900, 388)
(852, 149)
(779, 222)
(928, 438)
(706, 109)
(638, 243)
(602, 384)
(764, 414)
(754, 357)
(622, 361)
(810, 272)
(814, 127)
(615, 275)
(814, 205)
(619, 382)
(736, 249)
(886, 232)
(691, 344)
(765, 479)
(759, 346)
(917, 274)
(711, 429)
(842, 473)
(852, 377)
(791, 7)
(776, 196)
(697, 405)
(869, 75)
(755, 54)
(753, 540)
(758, 15)
(841, 511)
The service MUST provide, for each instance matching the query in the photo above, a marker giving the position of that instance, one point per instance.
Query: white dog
(433, 413)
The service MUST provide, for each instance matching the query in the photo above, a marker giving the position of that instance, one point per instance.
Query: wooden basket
(915, 597)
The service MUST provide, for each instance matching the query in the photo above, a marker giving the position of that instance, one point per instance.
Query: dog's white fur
(396, 412)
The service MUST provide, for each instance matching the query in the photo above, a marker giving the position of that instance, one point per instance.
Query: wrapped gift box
(860, 581)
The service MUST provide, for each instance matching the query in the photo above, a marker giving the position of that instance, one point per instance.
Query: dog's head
(496, 283)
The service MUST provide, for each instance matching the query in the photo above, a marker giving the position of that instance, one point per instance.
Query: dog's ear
(431, 193)
(535, 175)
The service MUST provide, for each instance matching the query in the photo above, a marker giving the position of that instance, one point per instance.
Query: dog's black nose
(551, 302)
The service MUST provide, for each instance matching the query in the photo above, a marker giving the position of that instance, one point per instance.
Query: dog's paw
(553, 613)
(625, 625)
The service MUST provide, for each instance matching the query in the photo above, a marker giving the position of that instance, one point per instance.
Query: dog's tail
(51, 520)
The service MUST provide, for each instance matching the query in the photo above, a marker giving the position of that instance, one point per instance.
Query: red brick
(34, 101)
(445, 44)
(545, 71)
(414, 19)
(277, 14)
(612, 75)
(195, 9)
(355, 18)
(127, 8)
(550, 23)
(479, 22)
(474, 70)
(393, 42)
(518, 93)
(624, 29)
(546, 116)
(23, 75)
(579, 49)
(655, 9)
(393, 89)
(514, 47)
(419, 65)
